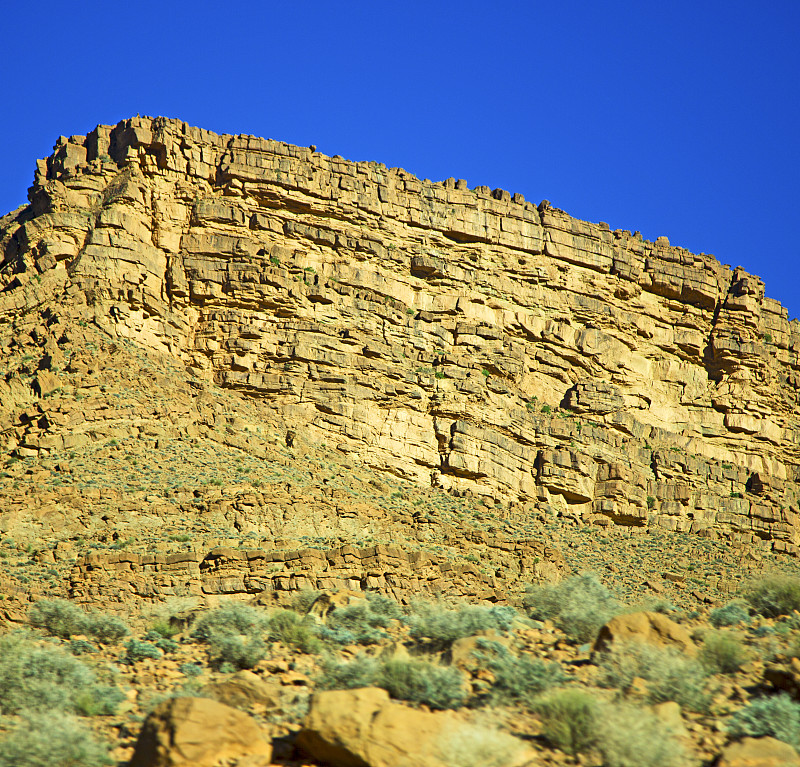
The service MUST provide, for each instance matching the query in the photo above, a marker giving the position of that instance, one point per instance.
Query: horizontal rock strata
(461, 337)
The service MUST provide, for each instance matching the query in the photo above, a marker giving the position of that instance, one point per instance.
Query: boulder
(243, 689)
(651, 627)
(199, 732)
(759, 752)
(364, 728)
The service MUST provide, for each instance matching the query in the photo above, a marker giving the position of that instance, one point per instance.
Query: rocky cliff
(463, 338)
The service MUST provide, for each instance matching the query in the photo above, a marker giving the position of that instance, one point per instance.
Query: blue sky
(679, 119)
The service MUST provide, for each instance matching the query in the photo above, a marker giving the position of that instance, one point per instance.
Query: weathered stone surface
(644, 627)
(363, 728)
(464, 338)
(199, 732)
(759, 752)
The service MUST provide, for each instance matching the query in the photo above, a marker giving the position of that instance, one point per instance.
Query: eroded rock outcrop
(465, 338)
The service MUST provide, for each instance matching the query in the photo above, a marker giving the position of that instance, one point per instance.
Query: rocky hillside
(459, 338)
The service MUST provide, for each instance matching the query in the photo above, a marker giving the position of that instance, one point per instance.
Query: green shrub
(777, 716)
(723, 652)
(136, 650)
(631, 737)
(63, 619)
(191, 670)
(774, 595)
(470, 745)
(43, 678)
(420, 681)
(669, 674)
(165, 644)
(231, 618)
(106, 629)
(579, 606)
(517, 679)
(730, 614)
(570, 719)
(58, 617)
(440, 627)
(289, 628)
(362, 671)
(414, 680)
(235, 651)
(52, 740)
(164, 628)
(361, 622)
(81, 647)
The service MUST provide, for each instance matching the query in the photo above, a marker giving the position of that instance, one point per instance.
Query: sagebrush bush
(723, 652)
(137, 650)
(579, 606)
(235, 651)
(731, 614)
(231, 618)
(440, 627)
(420, 681)
(46, 678)
(774, 595)
(669, 673)
(472, 745)
(517, 679)
(292, 630)
(632, 737)
(776, 715)
(361, 622)
(63, 619)
(52, 740)
(415, 680)
(570, 719)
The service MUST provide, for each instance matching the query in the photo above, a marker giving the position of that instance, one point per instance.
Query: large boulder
(244, 689)
(651, 627)
(199, 732)
(364, 728)
(759, 752)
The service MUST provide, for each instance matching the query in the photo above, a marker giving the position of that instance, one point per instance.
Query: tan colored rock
(759, 752)
(199, 732)
(243, 689)
(651, 627)
(363, 728)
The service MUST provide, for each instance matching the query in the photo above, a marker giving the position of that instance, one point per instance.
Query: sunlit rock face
(461, 337)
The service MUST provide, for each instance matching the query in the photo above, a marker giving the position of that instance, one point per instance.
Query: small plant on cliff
(731, 614)
(570, 719)
(723, 652)
(579, 606)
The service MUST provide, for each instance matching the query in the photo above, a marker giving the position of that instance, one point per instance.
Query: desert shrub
(230, 618)
(48, 678)
(191, 670)
(414, 680)
(471, 745)
(669, 674)
(723, 652)
(440, 627)
(420, 681)
(569, 719)
(361, 622)
(777, 715)
(730, 614)
(58, 617)
(164, 628)
(289, 628)
(517, 679)
(165, 644)
(81, 647)
(303, 600)
(774, 595)
(137, 649)
(106, 629)
(228, 652)
(362, 671)
(63, 619)
(579, 606)
(52, 740)
(631, 737)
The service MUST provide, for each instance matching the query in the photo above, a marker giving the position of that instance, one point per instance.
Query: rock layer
(461, 337)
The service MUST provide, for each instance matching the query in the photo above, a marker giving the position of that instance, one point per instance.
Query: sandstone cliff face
(464, 338)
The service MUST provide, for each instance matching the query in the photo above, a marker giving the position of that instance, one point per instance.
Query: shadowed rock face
(465, 338)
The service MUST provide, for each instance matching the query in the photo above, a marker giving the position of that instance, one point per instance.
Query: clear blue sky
(674, 118)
